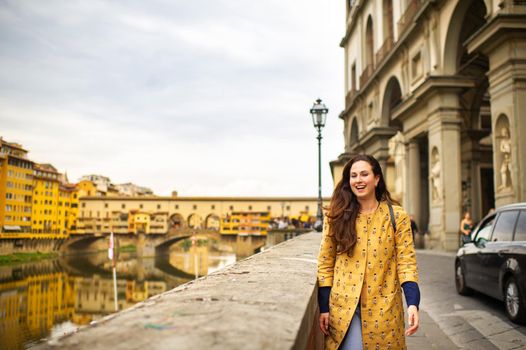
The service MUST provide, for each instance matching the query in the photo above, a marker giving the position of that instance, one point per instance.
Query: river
(52, 297)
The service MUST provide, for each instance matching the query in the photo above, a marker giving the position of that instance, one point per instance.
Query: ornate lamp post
(319, 114)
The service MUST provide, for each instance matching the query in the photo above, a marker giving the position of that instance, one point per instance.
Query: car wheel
(513, 301)
(460, 281)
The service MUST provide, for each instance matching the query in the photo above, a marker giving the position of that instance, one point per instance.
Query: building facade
(45, 199)
(15, 188)
(68, 208)
(436, 91)
(36, 201)
(157, 215)
(246, 223)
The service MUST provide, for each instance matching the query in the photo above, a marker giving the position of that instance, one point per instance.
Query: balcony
(366, 74)
(387, 46)
(408, 16)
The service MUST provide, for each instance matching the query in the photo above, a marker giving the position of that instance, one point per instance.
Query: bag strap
(391, 212)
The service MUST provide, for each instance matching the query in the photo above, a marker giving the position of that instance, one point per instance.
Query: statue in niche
(434, 176)
(397, 151)
(505, 150)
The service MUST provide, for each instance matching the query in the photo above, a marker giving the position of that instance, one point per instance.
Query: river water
(53, 297)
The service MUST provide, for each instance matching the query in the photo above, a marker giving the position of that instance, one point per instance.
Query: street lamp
(319, 114)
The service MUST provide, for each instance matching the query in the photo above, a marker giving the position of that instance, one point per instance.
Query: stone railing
(408, 16)
(267, 301)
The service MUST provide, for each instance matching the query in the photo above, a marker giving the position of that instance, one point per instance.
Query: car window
(484, 232)
(520, 229)
(504, 227)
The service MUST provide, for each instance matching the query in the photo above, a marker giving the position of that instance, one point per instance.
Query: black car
(494, 262)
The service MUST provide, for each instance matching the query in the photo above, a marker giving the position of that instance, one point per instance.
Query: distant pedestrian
(466, 226)
(366, 254)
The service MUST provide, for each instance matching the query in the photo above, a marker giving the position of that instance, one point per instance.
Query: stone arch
(502, 149)
(468, 16)
(194, 221)
(212, 222)
(392, 98)
(477, 176)
(176, 221)
(369, 43)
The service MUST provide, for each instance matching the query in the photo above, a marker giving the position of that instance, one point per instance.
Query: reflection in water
(53, 297)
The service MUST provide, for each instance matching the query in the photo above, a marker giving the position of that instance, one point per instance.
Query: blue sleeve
(323, 298)
(412, 293)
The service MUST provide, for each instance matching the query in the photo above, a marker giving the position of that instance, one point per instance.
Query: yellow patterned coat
(372, 274)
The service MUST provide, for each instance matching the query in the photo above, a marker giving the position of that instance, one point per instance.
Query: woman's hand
(324, 323)
(413, 320)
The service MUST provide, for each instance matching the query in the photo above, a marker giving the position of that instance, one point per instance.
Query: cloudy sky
(203, 97)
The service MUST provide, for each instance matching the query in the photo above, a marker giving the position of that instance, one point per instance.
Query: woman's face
(363, 181)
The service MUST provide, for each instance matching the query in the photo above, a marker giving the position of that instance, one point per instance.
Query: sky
(208, 98)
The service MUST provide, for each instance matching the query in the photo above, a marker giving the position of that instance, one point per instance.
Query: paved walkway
(451, 321)
(429, 335)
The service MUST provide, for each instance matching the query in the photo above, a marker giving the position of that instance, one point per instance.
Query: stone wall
(267, 301)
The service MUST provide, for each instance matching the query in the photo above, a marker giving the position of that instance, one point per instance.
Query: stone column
(383, 164)
(414, 185)
(445, 182)
(507, 79)
(503, 40)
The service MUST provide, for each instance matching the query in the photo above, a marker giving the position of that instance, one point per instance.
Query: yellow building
(45, 213)
(68, 208)
(246, 223)
(229, 225)
(139, 222)
(87, 188)
(15, 188)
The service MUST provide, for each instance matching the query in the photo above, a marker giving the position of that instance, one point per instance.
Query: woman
(363, 261)
(466, 226)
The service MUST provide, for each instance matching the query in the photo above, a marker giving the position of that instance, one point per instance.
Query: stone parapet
(267, 301)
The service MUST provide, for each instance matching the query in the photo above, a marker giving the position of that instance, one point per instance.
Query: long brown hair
(344, 206)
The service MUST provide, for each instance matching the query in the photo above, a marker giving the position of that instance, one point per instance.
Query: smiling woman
(366, 257)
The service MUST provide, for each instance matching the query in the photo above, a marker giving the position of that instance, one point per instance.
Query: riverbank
(25, 257)
(18, 258)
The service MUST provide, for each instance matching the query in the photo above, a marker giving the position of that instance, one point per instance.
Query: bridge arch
(194, 221)
(80, 243)
(176, 222)
(212, 222)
